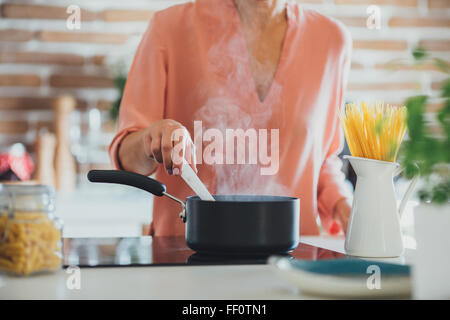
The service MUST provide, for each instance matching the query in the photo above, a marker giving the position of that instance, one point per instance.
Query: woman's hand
(165, 141)
(168, 142)
(341, 213)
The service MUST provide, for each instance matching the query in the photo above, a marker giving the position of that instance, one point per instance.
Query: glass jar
(30, 234)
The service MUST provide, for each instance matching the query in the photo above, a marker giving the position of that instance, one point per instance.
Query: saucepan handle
(408, 192)
(128, 178)
(134, 180)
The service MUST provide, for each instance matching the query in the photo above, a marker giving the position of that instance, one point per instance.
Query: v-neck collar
(284, 51)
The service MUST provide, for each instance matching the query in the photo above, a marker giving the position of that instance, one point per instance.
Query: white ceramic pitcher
(374, 226)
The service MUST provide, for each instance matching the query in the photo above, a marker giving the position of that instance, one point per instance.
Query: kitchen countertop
(173, 282)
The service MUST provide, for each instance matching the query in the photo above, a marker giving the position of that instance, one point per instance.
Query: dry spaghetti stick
(358, 128)
(402, 129)
(350, 142)
(389, 134)
(370, 130)
(379, 124)
(363, 133)
(351, 125)
(396, 134)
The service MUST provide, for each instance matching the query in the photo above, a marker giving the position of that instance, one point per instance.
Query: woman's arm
(144, 137)
(332, 192)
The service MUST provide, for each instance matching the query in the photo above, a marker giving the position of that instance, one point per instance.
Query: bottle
(65, 169)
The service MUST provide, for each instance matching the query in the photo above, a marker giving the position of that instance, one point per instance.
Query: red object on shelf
(18, 161)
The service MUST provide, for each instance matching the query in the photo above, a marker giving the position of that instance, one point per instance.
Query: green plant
(119, 74)
(425, 152)
(119, 81)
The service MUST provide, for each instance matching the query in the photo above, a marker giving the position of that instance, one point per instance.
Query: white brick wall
(422, 13)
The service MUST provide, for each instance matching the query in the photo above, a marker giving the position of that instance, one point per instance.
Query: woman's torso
(209, 79)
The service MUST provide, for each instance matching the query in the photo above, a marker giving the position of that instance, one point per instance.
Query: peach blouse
(192, 65)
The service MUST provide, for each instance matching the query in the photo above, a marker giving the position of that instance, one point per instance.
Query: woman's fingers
(190, 154)
(342, 211)
(183, 149)
(167, 149)
(179, 150)
(147, 139)
(155, 147)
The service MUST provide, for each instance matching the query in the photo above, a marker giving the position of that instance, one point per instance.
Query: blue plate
(345, 278)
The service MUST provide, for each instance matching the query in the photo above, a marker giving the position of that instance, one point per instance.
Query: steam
(232, 103)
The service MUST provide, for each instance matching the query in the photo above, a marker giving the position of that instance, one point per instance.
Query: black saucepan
(233, 224)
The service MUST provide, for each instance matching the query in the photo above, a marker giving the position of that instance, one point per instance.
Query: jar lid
(25, 189)
(26, 197)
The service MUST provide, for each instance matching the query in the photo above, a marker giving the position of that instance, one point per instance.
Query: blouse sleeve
(143, 98)
(332, 186)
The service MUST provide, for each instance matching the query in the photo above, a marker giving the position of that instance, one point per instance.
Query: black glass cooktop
(162, 251)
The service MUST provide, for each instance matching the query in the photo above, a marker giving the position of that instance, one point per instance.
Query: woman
(263, 64)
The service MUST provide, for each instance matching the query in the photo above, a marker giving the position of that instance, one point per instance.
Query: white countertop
(173, 282)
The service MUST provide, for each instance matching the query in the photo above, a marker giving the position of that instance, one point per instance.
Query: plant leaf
(442, 65)
(419, 54)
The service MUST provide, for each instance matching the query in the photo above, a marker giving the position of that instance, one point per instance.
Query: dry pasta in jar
(30, 235)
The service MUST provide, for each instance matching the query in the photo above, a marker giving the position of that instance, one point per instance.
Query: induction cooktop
(163, 251)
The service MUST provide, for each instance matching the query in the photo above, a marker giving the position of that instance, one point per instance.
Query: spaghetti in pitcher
(374, 131)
